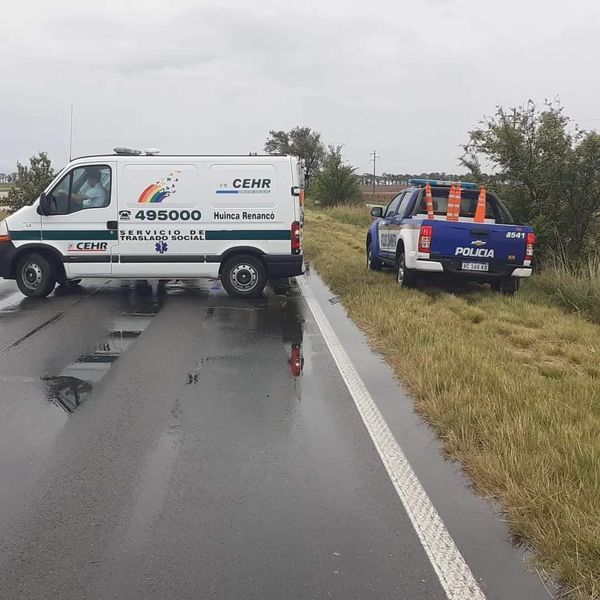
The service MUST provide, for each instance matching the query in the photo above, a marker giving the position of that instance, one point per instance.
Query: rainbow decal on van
(161, 190)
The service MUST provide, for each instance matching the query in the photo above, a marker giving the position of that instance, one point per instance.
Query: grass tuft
(512, 385)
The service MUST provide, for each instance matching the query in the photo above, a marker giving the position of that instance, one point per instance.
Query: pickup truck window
(392, 207)
(494, 210)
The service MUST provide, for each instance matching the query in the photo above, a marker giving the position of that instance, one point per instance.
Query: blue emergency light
(467, 185)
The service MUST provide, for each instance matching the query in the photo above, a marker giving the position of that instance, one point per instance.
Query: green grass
(577, 290)
(512, 386)
(4, 187)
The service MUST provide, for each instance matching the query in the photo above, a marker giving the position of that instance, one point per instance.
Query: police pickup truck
(453, 228)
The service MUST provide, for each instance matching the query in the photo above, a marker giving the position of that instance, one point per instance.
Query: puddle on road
(74, 384)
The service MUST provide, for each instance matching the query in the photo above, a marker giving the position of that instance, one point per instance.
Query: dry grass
(3, 215)
(512, 385)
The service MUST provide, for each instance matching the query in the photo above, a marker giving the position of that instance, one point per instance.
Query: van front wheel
(35, 276)
(244, 275)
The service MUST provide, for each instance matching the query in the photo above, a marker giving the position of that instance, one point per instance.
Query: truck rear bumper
(453, 267)
(430, 266)
(522, 272)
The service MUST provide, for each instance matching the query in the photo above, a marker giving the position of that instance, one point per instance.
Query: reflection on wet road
(160, 440)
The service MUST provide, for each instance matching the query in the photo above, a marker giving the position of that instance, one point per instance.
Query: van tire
(244, 276)
(373, 263)
(35, 275)
(508, 286)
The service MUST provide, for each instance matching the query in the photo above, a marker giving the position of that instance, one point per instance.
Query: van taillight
(296, 360)
(302, 197)
(531, 239)
(425, 235)
(296, 241)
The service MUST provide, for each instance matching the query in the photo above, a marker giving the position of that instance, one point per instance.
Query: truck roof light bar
(467, 185)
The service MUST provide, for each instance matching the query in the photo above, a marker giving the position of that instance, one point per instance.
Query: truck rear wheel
(404, 277)
(508, 286)
(244, 276)
(35, 276)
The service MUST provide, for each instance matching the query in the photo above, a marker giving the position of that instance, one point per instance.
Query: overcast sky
(407, 78)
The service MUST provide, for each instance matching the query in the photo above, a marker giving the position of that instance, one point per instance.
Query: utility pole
(374, 158)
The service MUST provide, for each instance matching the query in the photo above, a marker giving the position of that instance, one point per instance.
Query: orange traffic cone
(429, 201)
(480, 212)
(453, 211)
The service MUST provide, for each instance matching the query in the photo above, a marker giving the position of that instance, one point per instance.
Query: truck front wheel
(373, 263)
(35, 276)
(244, 276)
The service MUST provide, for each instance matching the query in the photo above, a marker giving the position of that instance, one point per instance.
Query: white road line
(453, 572)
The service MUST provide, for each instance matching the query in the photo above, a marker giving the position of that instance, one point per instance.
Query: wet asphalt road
(163, 441)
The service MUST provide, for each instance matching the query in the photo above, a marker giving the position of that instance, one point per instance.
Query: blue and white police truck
(414, 239)
(135, 214)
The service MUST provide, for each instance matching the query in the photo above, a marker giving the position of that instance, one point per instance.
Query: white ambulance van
(136, 214)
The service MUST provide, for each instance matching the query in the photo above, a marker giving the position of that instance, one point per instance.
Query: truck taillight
(529, 248)
(425, 235)
(296, 239)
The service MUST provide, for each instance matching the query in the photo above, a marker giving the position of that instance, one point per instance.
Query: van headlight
(4, 232)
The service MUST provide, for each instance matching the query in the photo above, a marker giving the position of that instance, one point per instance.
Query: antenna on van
(71, 135)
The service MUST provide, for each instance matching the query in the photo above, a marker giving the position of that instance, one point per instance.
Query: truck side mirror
(377, 211)
(44, 207)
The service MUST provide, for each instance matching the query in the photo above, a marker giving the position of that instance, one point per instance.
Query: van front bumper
(283, 265)
(7, 253)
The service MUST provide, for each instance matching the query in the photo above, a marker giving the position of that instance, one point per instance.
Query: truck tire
(244, 276)
(404, 277)
(36, 276)
(373, 263)
(508, 286)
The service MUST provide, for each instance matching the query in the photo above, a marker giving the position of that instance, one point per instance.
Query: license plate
(475, 266)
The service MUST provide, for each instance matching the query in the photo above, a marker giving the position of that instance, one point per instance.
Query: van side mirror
(377, 211)
(44, 207)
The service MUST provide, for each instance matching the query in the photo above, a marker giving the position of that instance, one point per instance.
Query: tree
(337, 182)
(301, 142)
(547, 171)
(30, 181)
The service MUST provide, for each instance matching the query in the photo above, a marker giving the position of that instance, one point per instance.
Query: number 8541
(516, 234)
(168, 215)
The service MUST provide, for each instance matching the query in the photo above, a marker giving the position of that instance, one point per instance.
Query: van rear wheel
(244, 276)
(35, 276)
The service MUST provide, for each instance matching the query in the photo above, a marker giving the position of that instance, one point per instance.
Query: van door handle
(112, 225)
(481, 232)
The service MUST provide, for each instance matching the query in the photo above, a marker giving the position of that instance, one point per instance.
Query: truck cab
(450, 228)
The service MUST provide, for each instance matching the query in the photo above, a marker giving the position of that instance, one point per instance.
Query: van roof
(159, 156)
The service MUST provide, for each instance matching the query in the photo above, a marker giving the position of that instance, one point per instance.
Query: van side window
(80, 189)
